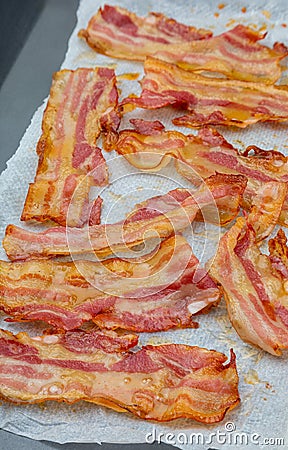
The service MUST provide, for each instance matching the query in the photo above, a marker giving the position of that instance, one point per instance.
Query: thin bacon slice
(206, 154)
(157, 383)
(162, 291)
(116, 32)
(106, 239)
(81, 104)
(255, 292)
(209, 100)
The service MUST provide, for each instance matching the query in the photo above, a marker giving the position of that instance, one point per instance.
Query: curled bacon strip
(206, 154)
(255, 292)
(226, 190)
(162, 292)
(81, 104)
(158, 383)
(209, 100)
(236, 53)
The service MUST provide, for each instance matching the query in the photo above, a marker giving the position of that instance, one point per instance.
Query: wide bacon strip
(83, 342)
(209, 100)
(149, 147)
(255, 291)
(159, 383)
(221, 212)
(161, 291)
(106, 239)
(236, 53)
(81, 104)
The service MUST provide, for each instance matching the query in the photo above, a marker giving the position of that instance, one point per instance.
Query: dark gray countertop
(44, 28)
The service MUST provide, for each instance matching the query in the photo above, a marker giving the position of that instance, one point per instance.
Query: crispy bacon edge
(220, 189)
(209, 101)
(255, 292)
(118, 33)
(159, 383)
(81, 104)
(115, 293)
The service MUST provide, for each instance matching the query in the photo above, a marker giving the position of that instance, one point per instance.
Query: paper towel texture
(263, 378)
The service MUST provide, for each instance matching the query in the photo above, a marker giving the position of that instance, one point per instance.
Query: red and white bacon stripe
(256, 293)
(223, 190)
(149, 147)
(163, 291)
(81, 104)
(159, 383)
(236, 53)
(213, 101)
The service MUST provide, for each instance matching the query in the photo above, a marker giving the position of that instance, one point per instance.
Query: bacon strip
(116, 32)
(279, 253)
(206, 154)
(161, 292)
(106, 239)
(81, 104)
(255, 292)
(209, 100)
(158, 383)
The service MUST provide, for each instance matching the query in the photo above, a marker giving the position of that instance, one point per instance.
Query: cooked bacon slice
(81, 104)
(117, 32)
(226, 190)
(266, 208)
(279, 253)
(160, 292)
(255, 292)
(146, 127)
(209, 100)
(236, 53)
(206, 154)
(158, 383)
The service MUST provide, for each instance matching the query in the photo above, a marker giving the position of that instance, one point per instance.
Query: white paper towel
(263, 378)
